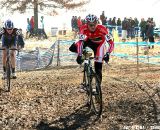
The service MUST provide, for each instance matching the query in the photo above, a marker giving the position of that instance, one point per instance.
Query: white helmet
(91, 18)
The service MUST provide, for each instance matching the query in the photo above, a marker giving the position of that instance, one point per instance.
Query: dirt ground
(50, 99)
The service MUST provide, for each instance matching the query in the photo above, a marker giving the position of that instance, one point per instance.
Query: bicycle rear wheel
(96, 94)
(8, 78)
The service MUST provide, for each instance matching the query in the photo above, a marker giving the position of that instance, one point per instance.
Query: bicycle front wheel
(8, 78)
(96, 94)
(87, 89)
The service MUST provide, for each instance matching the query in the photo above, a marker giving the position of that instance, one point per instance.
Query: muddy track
(50, 100)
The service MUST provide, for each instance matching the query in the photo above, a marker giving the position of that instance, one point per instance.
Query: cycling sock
(13, 70)
(98, 70)
(4, 69)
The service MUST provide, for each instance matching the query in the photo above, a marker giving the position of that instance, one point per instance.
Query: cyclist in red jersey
(94, 35)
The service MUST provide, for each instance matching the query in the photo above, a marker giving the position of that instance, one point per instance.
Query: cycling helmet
(91, 18)
(9, 24)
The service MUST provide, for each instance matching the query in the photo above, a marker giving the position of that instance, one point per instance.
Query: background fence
(59, 55)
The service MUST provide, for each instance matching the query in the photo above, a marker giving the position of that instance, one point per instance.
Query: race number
(108, 37)
(81, 37)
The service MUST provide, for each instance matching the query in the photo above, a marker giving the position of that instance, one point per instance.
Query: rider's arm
(2, 38)
(20, 38)
(20, 41)
(79, 45)
(108, 37)
(111, 43)
(1, 32)
(82, 37)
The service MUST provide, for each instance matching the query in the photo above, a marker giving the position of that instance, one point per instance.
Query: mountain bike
(91, 84)
(7, 79)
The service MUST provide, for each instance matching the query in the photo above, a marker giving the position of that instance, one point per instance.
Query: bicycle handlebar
(9, 48)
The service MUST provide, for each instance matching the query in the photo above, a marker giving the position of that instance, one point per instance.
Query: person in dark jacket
(110, 25)
(136, 26)
(103, 18)
(131, 28)
(143, 25)
(119, 27)
(124, 29)
(150, 32)
(114, 24)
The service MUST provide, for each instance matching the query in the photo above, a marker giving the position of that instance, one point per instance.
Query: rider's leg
(98, 70)
(13, 60)
(4, 57)
(99, 54)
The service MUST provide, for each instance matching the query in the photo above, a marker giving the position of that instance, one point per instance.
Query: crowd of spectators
(130, 27)
(31, 32)
(76, 23)
(127, 28)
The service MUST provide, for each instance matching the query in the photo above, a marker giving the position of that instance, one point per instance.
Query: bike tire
(86, 85)
(96, 95)
(8, 78)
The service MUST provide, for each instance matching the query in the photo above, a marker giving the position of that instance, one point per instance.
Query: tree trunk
(36, 16)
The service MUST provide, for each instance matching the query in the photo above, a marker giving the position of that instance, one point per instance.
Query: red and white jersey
(99, 36)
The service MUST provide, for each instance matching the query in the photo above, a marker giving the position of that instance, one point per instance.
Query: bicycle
(92, 85)
(7, 79)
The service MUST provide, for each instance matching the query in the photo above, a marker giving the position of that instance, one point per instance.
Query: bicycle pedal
(82, 89)
(13, 77)
(94, 92)
(3, 78)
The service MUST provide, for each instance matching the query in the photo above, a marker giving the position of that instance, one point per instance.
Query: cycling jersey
(97, 38)
(11, 39)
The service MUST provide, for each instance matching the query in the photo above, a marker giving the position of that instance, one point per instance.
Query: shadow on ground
(81, 118)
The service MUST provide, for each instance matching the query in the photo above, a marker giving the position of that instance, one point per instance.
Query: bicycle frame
(88, 66)
(8, 61)
(89, 76)
(8, 67)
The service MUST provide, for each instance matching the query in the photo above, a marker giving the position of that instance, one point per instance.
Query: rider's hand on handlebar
(19, 47)
(106, 57)
(79, 59)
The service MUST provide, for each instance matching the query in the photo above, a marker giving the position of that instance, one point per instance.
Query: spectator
(150, 31)
(119, 28)
(154, 24)
(79, 22)
(72, 23)
(124, 29)
(42, 31)
(142, 25)
(132, 28)
(83, 22)
(110, 25)
(32, 26)
(106, 21)
(103, 18)
(28, 30)
(114, 23)
(136, 26)
(75, 26)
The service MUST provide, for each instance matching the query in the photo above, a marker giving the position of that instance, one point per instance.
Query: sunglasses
(92, 25)
(9, 29)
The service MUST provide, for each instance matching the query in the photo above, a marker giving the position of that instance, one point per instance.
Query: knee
(13, 54)
(98, 67)
(4, 53)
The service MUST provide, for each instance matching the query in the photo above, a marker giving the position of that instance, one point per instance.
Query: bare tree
(50, 7)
